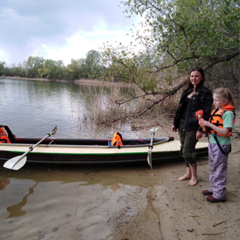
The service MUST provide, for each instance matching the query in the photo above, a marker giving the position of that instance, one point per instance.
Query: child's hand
(204, 122)
(201, 121)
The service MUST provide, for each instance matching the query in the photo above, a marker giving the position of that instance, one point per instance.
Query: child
(220, 123)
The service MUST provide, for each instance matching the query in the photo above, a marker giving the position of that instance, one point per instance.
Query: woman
(195, 97)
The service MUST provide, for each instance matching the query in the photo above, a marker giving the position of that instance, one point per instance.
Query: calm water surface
(62, 202)
(33, 108)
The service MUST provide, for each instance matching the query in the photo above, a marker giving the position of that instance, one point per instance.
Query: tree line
(37, 67)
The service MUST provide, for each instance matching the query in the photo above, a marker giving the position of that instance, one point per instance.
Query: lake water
(33, 108)
(66, 202)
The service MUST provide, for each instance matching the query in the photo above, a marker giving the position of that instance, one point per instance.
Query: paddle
(149, 157)
(18, 162)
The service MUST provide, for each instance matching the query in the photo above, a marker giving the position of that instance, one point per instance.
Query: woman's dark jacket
(202, 100)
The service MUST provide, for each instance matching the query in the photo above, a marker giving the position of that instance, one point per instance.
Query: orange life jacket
(216, 119)
(3, 136)
(117, 139)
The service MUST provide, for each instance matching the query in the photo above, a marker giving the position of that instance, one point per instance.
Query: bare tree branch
(222, 59)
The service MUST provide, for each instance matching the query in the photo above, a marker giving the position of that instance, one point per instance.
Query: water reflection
(3, 184)
(16, 210)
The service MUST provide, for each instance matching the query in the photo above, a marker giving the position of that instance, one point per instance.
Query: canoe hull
(75, 154)
(93, 151)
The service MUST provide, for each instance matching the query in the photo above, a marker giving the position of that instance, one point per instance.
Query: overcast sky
(59, 29)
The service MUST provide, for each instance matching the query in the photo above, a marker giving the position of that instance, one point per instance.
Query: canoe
(94, 151)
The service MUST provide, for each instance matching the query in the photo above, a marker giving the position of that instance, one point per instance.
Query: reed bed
(104, 108)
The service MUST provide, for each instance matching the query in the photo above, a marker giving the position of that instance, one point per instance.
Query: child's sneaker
(214, 200)
(206, 192)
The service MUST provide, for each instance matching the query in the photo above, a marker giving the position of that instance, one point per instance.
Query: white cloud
(79, 44)
(61, 31)
(76, 47)
(3, 56)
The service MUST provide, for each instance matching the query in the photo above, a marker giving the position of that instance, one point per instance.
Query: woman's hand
(198, 135)
(173, 128)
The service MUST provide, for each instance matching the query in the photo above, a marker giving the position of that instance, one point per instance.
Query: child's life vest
(217, 120)
(3, 136)
(117, 140)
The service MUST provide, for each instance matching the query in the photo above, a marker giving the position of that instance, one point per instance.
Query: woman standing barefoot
(194, 98)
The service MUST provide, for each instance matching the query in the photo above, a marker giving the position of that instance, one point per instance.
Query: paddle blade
(149, 158)
(54, 130)
(15, 163)
(154, 129)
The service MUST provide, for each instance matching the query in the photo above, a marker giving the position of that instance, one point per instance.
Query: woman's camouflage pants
(188, 143)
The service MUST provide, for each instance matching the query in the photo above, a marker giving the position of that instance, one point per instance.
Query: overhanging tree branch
(222, 59)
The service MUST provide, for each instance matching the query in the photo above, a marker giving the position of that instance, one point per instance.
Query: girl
(220, 123)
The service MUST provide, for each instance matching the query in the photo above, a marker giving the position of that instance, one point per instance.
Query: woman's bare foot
(194, 178)
(184, 177)
(193, 181)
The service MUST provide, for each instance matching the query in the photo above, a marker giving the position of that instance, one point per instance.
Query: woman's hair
(200, 85)
(225, 94)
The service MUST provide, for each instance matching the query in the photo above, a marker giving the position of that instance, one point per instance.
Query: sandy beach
(177, 211)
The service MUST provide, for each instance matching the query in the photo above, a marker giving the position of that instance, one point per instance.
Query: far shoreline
(76, 81)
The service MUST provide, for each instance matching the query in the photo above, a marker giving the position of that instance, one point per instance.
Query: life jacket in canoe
(216, 119)
(3, 136)
(117, 139)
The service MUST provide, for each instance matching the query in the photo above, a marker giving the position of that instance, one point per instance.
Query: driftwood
(213, 233)
(214, 225)
(192, 215)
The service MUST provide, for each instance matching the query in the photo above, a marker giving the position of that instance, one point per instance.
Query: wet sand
(118, 202)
